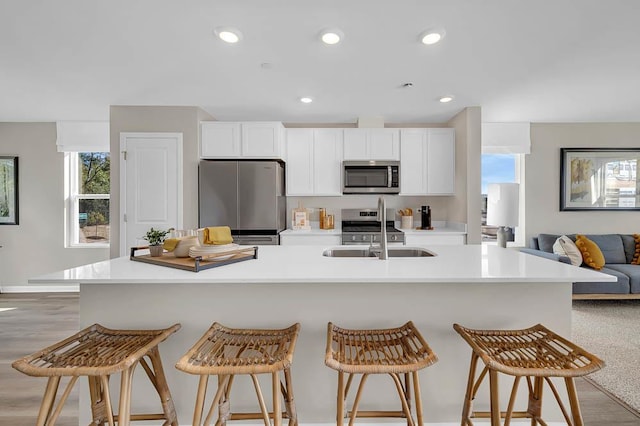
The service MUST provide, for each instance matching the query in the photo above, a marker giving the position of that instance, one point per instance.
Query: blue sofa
(618, 251)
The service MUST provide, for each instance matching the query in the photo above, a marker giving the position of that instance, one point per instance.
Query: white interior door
(150, 185)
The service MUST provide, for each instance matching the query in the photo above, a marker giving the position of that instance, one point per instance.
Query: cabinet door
(299, 161)
(262, 140)
(384, 144)
(413, 161)
(355, 144)
(441, 162)
(327, 161)
(219, 139)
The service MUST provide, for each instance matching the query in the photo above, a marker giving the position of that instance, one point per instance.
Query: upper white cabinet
(220, 139)
(427, 161)
(371, 144)
(314, 161)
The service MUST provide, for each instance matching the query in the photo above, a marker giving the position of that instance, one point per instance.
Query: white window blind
(83, 136)
(506, 138)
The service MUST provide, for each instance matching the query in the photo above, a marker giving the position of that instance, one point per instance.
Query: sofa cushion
(591, 253)
(611, 247)
(632, 271)
(619, 287)
(629, 244)
(565, 247)
(546, 242)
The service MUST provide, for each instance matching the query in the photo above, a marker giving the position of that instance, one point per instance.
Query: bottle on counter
(322, 217)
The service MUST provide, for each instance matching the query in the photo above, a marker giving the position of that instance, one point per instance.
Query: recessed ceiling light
(445, 99)
(432, 36)
(306, 100)
(228, 34)
(331, 35)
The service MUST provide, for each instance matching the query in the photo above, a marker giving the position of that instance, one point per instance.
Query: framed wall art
(599, 179)
(8, 190)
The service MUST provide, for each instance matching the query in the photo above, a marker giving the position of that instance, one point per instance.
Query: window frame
(519, 177)
(72, 202)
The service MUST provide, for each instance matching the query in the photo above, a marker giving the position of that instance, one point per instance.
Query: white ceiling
(520, 60)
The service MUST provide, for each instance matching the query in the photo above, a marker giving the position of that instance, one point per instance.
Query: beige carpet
(611, 330)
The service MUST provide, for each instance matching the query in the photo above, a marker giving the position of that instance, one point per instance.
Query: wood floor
(29, 322)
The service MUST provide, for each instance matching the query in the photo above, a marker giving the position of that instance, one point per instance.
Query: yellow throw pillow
(636, 254)
(591, 253)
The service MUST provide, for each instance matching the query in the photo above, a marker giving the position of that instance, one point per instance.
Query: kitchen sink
(366, 252)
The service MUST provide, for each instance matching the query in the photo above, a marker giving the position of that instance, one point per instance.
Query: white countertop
(312, 231)
(306, 264)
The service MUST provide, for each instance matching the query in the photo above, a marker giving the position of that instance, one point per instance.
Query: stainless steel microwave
(371, 177)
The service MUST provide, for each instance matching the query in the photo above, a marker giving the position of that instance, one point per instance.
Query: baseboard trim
(67, 288)
(602, 296)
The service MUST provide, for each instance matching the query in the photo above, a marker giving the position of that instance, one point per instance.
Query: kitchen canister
(406, 222)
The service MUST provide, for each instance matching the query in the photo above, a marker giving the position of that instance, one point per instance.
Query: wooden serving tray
(199, 263)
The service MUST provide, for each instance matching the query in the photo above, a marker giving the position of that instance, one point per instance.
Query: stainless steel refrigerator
(246, 195)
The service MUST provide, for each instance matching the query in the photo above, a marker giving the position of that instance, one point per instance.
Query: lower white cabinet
(419, 240)
(303, 239)
(314, 162)
(427, 161)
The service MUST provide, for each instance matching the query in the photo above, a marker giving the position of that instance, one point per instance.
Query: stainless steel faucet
(382, 215)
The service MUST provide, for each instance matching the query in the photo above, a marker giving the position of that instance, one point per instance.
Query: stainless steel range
(361, 226)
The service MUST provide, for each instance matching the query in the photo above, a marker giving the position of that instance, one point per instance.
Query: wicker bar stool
(98, 352)
(394, 351)
(536, 353)
(226, 352)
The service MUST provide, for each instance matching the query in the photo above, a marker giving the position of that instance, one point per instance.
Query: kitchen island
(476, 286)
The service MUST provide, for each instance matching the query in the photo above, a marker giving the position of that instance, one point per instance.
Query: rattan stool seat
(98, 352)
(392, 351)
(535, 352)
(226, 352)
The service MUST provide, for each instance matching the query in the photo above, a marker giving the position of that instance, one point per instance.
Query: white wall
(542, 171)
(183, 120)
(36, 245)
(466, 205)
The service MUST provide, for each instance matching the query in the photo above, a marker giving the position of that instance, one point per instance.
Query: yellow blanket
(217, 235)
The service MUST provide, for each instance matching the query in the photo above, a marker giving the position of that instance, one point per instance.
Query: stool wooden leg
(106, 396)
(495, 400)
(290, 403)
(275, 389)
(202, 392)
(468, 397)
(48, 400)
(573, 401)
(407, 391)
(159, 380)
(403, 399)
(418, 396)
(356, 402)
(340, 402)
(535, 400)
(124, 409)
(263, 406)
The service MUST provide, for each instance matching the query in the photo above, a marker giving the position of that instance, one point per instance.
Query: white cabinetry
(371, 144)
(427, 161)
(303, 239)
(220, 139)
(314, 161)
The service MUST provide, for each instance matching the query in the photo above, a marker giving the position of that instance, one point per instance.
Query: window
(88, 187)
(500, 168)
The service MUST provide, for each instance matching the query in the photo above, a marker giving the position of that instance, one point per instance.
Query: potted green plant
(156, 238)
